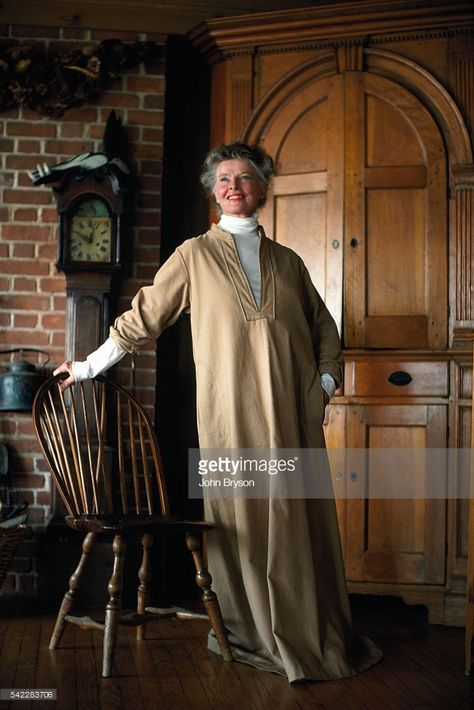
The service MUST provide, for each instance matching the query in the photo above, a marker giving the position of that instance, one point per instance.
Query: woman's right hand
(65, 367)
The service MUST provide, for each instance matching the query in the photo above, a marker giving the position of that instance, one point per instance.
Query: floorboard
(422, 668)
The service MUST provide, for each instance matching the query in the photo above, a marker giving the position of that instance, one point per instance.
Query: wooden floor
(422, 667)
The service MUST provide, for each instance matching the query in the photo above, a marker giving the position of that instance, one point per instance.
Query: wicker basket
(10, 538)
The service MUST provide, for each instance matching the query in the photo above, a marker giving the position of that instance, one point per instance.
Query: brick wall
(32, 292)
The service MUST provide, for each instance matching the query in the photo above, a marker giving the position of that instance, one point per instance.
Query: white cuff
(328, 383)
(99, 361)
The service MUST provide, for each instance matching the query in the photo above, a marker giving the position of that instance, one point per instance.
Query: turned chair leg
(69, 598)
(209, 597)
(144, 575)
(113, 608)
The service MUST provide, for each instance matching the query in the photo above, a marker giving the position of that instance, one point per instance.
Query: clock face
(90, 232)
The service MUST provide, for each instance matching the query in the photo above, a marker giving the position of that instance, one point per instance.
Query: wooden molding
(336, 23)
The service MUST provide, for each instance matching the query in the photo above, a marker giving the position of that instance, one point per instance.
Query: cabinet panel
(394, 539)
(395, 219)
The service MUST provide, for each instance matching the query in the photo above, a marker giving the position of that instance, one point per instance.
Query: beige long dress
(276, 563)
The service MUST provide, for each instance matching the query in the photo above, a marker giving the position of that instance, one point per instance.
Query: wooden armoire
(368, 109)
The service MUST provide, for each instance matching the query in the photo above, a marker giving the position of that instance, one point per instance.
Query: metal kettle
(20, 383)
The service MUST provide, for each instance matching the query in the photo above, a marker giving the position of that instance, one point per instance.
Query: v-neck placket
(250, 309)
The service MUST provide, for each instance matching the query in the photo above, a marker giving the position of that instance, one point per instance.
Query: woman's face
(238, 189)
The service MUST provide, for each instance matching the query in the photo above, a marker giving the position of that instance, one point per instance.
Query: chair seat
(135, 523)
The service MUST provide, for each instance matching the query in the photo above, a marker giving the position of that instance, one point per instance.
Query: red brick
(24, 303)
(27, 232)
(59, 341)
(26, 197)
(43, 498)
(23, 250)
(32, 480)
(145, 84)
(150, 236)
(150, 183)
(27, 146)
(7, 424)
(151, 167)
(47, 251)
(147, 152)
(59, 302)
(153, 135)
(25, 266)
(72, 130)
(49, 214)
(87, 115)
(155, 102)
(6, 145)
(25, 321)
(146, 118)
(32, 128)
(68, 148)
(4, 249)
(25, 425)
(148, 201)
(147, 218)
(4, 214)
(25, 214)
(26, 338)
(24, 284)
(114, 98)
(147, 272)
(52, 285)
(52, 321)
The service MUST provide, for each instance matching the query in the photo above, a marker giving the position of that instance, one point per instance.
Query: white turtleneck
(244, 231)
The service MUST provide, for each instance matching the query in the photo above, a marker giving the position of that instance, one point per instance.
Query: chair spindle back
(101, 448)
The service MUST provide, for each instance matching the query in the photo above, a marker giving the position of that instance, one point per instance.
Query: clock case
(69, 195)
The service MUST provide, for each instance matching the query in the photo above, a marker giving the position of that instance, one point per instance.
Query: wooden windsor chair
(103, 453)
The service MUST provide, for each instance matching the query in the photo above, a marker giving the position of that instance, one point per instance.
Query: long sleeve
(99, 361)
(154, 307)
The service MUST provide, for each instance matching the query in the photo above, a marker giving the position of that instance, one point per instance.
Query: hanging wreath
(52, 84)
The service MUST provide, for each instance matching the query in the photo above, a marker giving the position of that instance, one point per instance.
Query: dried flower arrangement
(51, 84)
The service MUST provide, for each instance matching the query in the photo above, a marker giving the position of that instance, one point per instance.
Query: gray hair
(253, 154)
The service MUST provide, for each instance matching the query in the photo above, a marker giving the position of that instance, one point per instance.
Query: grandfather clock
(89, 253)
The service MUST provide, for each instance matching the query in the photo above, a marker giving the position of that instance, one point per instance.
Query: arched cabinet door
(361, 195)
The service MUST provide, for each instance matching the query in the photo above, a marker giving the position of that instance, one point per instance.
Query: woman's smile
(238, 190)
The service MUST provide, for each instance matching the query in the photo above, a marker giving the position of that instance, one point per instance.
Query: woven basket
(10, 538)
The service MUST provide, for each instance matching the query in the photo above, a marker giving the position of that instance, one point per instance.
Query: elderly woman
(268, 359)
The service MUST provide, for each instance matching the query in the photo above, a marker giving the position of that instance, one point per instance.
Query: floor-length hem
(369, 655)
